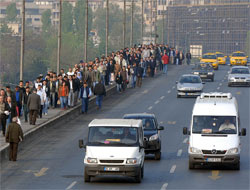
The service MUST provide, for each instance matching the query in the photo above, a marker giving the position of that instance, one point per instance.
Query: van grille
(112, 161)
(216, 152)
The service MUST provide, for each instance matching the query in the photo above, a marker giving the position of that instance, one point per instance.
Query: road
(52, 159)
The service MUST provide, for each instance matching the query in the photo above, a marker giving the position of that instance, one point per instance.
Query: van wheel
(142, 172)
(190, 165)
(229, 85)
(139, 176)
(86, 177)
(212, 79)
(178, 96)
(158, 155)
(237, 166)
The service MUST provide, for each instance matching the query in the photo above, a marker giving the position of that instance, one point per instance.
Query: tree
(11, 12)
(46, 20)
(67, 17)
(4, 29)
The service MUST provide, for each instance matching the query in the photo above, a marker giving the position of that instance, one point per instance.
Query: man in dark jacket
(139, 76)
(85, 93)
(25, 102)
(13, 136)
(34, 105)
(99, 91)
(188, 57)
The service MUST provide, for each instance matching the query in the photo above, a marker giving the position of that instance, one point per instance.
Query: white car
(239, 76)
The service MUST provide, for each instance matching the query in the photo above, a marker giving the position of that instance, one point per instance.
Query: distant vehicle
(238, 58)
(214, 135)
(204, 70)
(239, 76)
(189, 85)
(210, 58)
(151, 132)
(114, 147)
(248, 60)
(221, 58)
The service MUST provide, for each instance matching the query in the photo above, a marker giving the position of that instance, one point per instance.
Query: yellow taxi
(210, 58)
(221, 58)
(238, 58)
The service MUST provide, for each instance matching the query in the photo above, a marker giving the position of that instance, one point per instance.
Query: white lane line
(172, 170)
(179, 152)
(164, 186)
(220, 84)
(162, 97)
(173, 87)
(218, 88)
(169, 91)
(150, 108)
(157, 102)
(71, 185)
(185, 140)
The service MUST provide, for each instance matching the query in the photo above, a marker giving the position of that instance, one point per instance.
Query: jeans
(25, 111)
(165, 68)
(71, 98)
(53, 99)
(133, 81)
(99, 99)
(119, 87)
(188, 61)
(144, 72)
(85, 104)
(63, 100)
(45, 106)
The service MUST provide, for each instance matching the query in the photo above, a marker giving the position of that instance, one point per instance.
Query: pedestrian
(124, 78)
(3, 114)
(11, 94)
(165, 61)
(85, 94)
(99, 91)
(25, 103)
(19, 99)
(71, 91)
(188, 57)
(34, 105)
(130, 76)
(182, 57)
(63, 95)
(46, 89)
(139, 76)
(12, 108)
(118, 81)
(13, 136)
(134, 75)
(42, 95)
(76, 88)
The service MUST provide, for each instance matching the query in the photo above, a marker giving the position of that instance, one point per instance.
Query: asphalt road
(52, 159)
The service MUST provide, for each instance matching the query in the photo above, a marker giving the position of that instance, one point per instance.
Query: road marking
(238, 93)
(185, 140)
(220, 84)
(215, 175)
(218, 88)
(71, 185)
(41, 172)
(172, 170)
(164, 186)
(150, 108)
(157, 102)
(145, 92)
(179, 152)
(161, 122)
(173, 87)
(162, 97)
(171, 122)
(169, 91)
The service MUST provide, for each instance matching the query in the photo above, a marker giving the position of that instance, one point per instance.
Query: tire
(178, 96)
(212, 79)
(87, 178)
(158, 155)
(139, 176)
(229, 85)
(237, 166)
(190, 165)
(142, 172)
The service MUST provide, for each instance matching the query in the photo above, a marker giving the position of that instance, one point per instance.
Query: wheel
(229, 85)
(139, 176)
(190, 165)
(212, 79)
(158, 155)
(142, 172)
(86, 177)
(178, 96)
(237, 166)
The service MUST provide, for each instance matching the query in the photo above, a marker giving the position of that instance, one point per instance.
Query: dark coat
(34, 102)
(118, 79)
(12, 109)
(14, 133)
(139, 72)
(82, 90)
(99, 89)
(25, 98)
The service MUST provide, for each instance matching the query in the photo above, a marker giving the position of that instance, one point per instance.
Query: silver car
(189, 85)
(239, 76)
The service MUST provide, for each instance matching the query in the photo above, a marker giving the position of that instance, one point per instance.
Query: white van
(114, 147)
(215, 131)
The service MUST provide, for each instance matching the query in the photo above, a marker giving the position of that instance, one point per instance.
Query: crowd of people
(125, 68)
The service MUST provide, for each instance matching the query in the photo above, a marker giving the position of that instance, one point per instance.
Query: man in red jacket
(165, 60)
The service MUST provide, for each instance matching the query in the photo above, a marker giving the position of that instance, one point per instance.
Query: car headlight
(196, 73)
(231, 79)
(153, 137)
(209, 73)
(233, 151)
(131, 161)
(92, 160)
(195, 150)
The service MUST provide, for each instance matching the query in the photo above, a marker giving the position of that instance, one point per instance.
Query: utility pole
(132, 23)
(107, 27)
(59, 37)
(151, 21)
(22, 41)
(168, 28)
(142, 11)
(124, 23)
(155, 26)
(86, 30)
(163, 19)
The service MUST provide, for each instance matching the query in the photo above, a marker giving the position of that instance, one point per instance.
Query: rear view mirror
(176, 82)
(160, 128)
(81, 143)
(243, 132)
(203, 83)
(185, 131)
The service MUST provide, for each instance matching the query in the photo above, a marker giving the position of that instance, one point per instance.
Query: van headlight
(196, 73)
(153, 137)
(233, 151)
(231, 79)
(131, 161)
(195, 150)
(92, 160)
(209, 73)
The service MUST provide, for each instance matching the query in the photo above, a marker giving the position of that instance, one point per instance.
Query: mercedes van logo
(111, 156)
(214, 151)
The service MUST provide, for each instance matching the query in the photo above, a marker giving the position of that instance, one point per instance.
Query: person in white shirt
(71, 92)
(227, 126)
(42, 95)
(70, 72)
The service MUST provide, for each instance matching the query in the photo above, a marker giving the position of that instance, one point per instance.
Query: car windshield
(239, 55)
(219, 55)
(214, 125)
(113, 136)
(203, 66)
(190, 79)
(209, 57)
(240, 71)
(148, 122)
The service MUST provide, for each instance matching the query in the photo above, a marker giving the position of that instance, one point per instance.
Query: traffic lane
(56, 149)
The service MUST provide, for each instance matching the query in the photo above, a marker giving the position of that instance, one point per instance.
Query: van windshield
(214, 125)
(113, 136)
(147, 122)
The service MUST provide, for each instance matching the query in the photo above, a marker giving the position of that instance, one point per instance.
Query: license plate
(213, 159)
(203, 76)
(112, 169)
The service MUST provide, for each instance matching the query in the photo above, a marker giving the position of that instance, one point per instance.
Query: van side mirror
(160, 128)
(185, 131)
(81, 144)
(243, 132)
(203, 83)
(176, 82)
